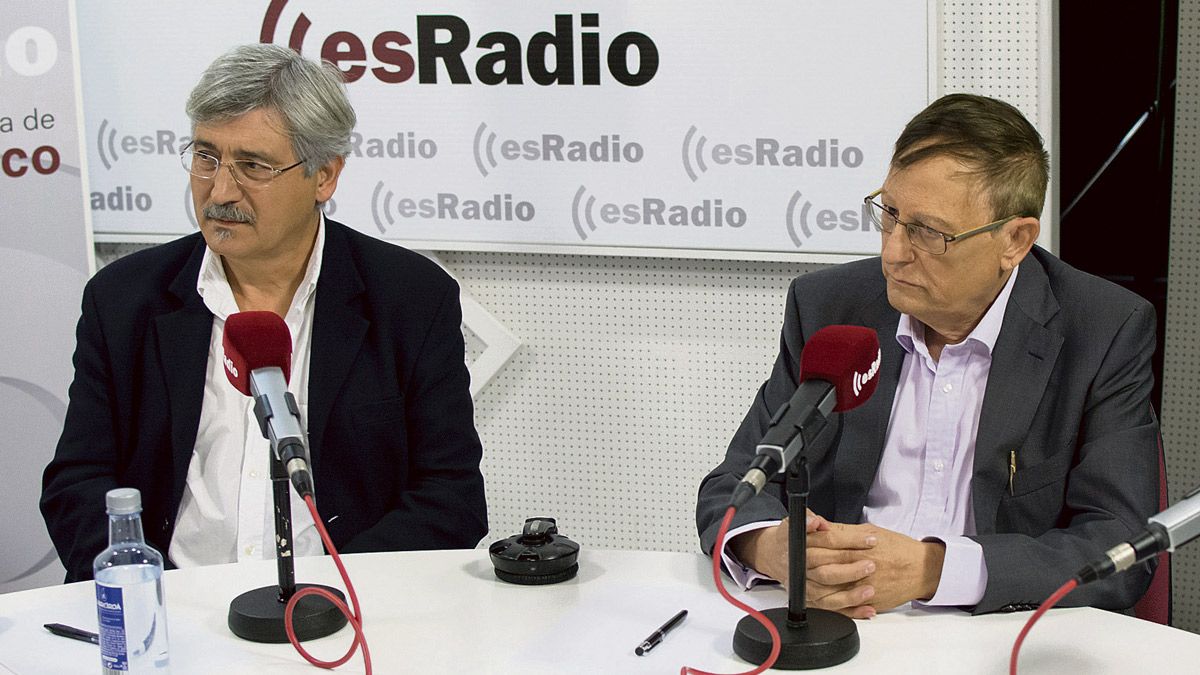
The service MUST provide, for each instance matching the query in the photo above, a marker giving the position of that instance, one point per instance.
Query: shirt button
(938, 465)
(249, 550)
(254, 473)
(947, 387)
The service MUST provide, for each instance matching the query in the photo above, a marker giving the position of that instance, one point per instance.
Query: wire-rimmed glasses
(249, 173)
(921, 236)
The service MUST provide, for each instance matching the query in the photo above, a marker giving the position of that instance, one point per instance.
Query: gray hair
(309, 96)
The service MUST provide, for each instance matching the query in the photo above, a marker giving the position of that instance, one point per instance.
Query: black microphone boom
(794, 427)
(809, 638)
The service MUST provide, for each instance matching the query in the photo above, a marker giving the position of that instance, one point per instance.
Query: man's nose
(225, 188)
(897, 246)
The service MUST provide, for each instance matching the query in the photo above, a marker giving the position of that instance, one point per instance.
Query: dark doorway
(1116, 124)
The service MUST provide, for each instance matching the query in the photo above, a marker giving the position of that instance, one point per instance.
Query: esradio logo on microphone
(229, 366)
(860, 380)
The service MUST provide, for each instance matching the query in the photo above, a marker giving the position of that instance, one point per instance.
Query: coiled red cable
(776, 642)
(355, 617)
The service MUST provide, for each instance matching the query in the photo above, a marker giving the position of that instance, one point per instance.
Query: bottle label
(110, 609)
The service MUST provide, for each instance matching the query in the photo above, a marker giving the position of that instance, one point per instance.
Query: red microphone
(258, 338)
(258, 362)
(839, 369)
(848, 358)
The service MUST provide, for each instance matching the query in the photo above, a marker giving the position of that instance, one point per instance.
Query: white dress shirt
(227, 513)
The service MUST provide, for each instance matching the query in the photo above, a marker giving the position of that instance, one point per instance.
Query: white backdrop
(45, 258)
(702, 126)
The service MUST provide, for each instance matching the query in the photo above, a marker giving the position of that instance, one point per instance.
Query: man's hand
(766, 549)
(860, 569)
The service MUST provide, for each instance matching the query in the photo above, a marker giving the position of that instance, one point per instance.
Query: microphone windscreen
(848, 358)
(254, 340)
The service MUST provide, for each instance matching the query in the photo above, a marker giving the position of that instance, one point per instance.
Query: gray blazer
(1069, 391)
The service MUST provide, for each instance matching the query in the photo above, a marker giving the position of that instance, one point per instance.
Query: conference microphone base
(257, 615)
(826, 639)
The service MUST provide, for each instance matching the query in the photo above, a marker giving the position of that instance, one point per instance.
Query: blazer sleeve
(442, 504)
(1111, 488)
(84, 466)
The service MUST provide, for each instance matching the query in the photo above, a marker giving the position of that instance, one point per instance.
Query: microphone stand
(257, 615)
(811, 638)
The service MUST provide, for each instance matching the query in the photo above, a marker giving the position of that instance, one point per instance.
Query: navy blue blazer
(395, 454)
(1068, 391)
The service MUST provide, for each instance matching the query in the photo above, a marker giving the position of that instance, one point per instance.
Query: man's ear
(327, 178)
(1019, 234)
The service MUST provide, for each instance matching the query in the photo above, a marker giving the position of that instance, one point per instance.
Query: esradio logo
(860, 380)
(229, 366)
(587, 210)
(389, 209)
(112, 144)
(574, 51)
(550, 147)
(804, 219)
(763, 151)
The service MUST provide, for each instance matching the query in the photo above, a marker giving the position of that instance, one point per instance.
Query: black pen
(73, 633)
(658, 635)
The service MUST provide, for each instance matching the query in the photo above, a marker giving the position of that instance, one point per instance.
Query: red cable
(776, 641)
(1050, 602)
(355, 618)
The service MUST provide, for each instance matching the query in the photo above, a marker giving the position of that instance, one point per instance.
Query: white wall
(1181, 368)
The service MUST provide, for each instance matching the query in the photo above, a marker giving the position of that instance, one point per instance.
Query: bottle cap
(123, 501)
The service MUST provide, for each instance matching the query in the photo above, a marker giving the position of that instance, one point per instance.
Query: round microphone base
(257, 615)
(827, 639)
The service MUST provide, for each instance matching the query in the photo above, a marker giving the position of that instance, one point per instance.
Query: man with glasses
(1011, 439)
(378, 369)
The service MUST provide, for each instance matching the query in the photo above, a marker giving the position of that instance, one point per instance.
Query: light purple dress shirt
(923, 485)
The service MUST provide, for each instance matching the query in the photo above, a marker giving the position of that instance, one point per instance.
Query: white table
(445, 612)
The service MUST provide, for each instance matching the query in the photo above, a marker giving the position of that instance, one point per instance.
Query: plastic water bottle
(129, 593)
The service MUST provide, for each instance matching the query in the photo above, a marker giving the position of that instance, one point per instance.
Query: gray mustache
(228, 212)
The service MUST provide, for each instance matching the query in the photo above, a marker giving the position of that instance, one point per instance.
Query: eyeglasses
(921, 236)
(249, 173)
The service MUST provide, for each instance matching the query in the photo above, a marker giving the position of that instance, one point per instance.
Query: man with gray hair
(378, 368)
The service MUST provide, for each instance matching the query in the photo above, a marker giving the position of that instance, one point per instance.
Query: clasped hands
(857, 570)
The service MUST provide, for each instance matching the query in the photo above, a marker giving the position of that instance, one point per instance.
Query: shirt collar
(910, 332)
(213, 286)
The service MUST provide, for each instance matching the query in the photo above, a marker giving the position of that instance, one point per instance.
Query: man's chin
(216, 232)
(901, 297)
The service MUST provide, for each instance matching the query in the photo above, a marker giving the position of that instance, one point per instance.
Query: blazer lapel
(1024, 357)
(864, 428)
(338, 331)
(183, 338)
